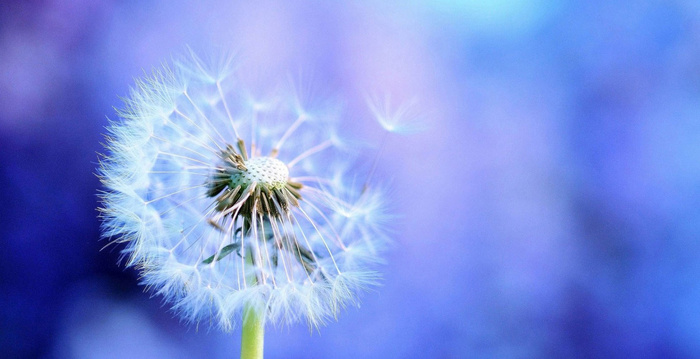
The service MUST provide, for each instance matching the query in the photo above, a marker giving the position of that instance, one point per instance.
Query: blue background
(550, 210)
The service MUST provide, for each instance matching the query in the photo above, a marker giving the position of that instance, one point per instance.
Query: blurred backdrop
(550, 210)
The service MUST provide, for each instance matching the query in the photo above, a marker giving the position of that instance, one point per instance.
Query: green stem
(253, 334)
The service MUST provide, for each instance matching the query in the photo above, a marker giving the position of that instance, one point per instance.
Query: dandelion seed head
(224, 200)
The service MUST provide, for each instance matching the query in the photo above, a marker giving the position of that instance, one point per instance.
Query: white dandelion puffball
(226, 201)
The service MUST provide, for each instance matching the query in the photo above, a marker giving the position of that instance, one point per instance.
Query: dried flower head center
(252, 187)
(265, 171)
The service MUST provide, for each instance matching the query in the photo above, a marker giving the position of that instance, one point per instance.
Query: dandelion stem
(252, 336)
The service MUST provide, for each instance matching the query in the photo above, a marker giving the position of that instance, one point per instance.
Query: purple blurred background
(551, 210)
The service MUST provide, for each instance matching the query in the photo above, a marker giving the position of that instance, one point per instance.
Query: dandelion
(235, 209)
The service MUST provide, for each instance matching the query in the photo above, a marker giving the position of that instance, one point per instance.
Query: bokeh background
(551, 209)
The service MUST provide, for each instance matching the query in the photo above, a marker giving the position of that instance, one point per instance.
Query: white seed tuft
(214, 230)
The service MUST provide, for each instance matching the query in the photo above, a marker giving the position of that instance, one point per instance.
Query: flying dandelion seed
(404, 118)
(228, 204)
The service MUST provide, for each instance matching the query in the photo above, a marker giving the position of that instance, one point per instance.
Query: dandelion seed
(230, 228)
(402, 119)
